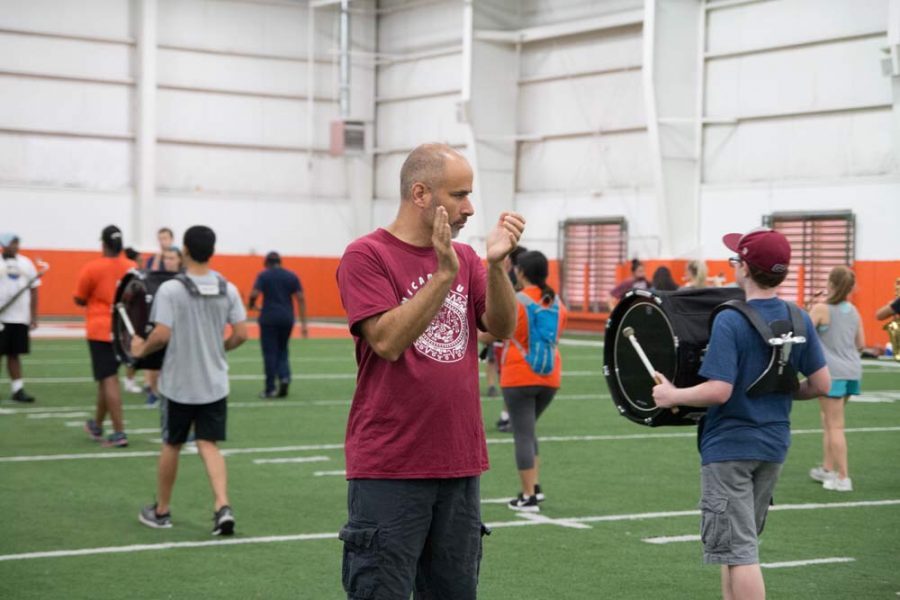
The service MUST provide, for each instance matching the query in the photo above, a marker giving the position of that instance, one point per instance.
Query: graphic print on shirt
(447, 336)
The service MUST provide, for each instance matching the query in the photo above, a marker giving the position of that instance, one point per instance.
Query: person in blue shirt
(279, 288)
(744, 438)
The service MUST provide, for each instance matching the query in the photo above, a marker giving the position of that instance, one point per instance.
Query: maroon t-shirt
(418, 417)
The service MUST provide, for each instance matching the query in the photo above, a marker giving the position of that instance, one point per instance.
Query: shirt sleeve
(298, 285)
(85, 286)
(721, 360)
(258, 284)
(30, 272)
(813, 358)
(163, 311)
(365, 287)
(236, 311)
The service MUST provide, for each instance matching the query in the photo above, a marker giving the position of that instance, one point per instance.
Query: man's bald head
(425, 164)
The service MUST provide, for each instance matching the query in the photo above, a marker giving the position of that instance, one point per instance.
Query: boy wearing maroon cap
(744, 437)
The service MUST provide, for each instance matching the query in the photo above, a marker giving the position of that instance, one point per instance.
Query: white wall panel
(55, 161)
(590, 163)
(252, 225)
(218, 118)
(426, 26)
(740, 208)
(576, 54)
(71, 58)
(387, 176)
(241, 73)
(238, 171)
(420, 77)
(815, 147)
(817, 77)
(104, 18)
(766, 24)
(542, 12)
(611, 101)
(65, 105)
(408, 124)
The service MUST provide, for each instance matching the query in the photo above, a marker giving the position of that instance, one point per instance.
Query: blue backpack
(543, 328)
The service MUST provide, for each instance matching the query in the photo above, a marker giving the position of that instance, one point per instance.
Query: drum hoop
(624, 394)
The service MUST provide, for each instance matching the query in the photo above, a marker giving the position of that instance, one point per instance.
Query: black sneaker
(523, 504)
(93, 430)
(23, 397)
(223, 521)
(538, 493)
(504, 426)
(149, 517)
(264, 395)
(283, 388)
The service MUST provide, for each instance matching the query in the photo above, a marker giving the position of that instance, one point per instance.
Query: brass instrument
(893, 326)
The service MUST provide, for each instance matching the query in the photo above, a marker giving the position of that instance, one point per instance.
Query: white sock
(17, 384)
(504, 416)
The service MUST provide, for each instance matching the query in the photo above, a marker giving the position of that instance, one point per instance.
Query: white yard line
(671, 539)
(294, 459)
(57, 415)
(340, 446)
(806, 563)
(522, 521)
(330, 473)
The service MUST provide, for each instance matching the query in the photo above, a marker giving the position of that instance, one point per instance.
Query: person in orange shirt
(96, 290)
(528, 381)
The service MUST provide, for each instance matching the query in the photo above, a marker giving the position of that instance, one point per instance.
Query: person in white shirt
(18, 310)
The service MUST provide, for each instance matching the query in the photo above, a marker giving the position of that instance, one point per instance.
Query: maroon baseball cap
(765, 249)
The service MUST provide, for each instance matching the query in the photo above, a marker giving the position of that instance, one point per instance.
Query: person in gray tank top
(840, 329)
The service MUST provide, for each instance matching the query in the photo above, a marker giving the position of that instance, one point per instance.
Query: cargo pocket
(715, 527)
(359, 572)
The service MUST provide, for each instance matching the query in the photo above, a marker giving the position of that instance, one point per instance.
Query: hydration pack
(543, 329)
(781, 335)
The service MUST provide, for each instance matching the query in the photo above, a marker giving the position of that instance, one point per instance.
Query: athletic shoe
(116, 440)
(93, 430)
(22, 396)
(152, 399)
(523, 504)
(538, 493)
(283, 388)
(492, 391)
(821, 474)
(504, 426)
(149, 517)
(836, 484)
(267, 395)
(223, 521)
(131, 386)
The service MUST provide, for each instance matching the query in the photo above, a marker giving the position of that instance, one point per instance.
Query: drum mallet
(628, 332)
(120, 308)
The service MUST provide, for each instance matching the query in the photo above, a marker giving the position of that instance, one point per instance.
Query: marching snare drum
(131, 315)
(672, 328)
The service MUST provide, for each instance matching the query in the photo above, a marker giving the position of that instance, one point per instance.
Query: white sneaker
(836, 484)
(131, 386)
(821, 474)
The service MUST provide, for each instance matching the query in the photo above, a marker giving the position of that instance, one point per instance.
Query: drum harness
(220, 288)
(781, 335)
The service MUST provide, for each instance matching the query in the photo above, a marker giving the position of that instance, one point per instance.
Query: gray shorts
(734, 502)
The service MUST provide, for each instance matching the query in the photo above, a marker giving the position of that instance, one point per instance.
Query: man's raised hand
(504, 237)
(442, 238)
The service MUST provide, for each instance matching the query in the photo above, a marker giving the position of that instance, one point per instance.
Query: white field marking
(578, 342)
(806, 563)
(670, 539)
(142, 430)
(519, 522)
(495, 500)
(329, 473)
(545, 520)
(313, 447)
(245, 377)
(294, 459)
(57, 415)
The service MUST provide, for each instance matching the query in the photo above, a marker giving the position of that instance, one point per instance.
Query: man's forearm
(708, 393)
(34, 305)
(155, 341)
(500, 303)
(396, 330)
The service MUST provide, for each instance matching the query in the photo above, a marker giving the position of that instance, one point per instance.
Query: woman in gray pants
(528, 392)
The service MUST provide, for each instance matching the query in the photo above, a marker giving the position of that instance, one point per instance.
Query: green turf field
(606, 480)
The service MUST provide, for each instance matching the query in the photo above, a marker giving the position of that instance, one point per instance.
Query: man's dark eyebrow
(460, 192)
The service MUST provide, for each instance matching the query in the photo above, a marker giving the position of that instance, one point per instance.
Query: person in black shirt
(279, 287)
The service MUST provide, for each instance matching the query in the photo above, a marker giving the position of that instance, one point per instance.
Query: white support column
(672, 79)
(893, 56)
(144, 213)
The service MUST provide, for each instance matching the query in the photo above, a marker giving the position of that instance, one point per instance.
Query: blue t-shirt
(751, 428)
(277, 286)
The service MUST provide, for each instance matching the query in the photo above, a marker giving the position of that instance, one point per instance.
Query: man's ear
(421, 195)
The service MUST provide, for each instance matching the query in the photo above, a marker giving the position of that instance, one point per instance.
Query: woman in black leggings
(529, 385)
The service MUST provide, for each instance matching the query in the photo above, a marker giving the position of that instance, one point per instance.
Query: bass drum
(134, 300)
(673, 330)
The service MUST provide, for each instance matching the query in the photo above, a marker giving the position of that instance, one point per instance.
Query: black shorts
(208, 420)
(103, 360)
(14, 339)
